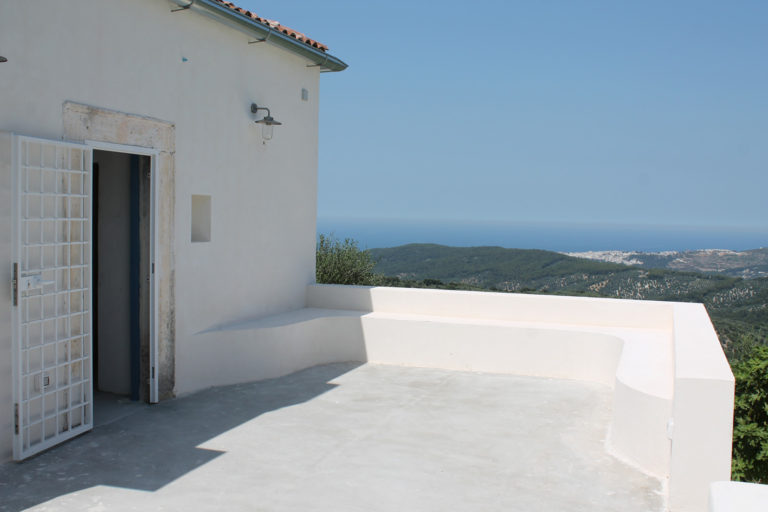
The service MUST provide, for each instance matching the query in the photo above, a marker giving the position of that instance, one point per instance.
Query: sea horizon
(560, 237)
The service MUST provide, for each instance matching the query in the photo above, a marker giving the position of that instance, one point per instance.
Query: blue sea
(550, 236)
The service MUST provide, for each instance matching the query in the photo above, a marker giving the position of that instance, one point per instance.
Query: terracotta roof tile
(275, 25)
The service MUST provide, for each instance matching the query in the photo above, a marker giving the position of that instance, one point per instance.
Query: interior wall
(114, 272)
(145, 166)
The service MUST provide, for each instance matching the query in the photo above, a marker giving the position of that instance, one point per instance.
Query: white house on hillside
(140, 201)
(158, 197)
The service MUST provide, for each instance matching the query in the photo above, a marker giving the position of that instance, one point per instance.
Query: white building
(157, 241)
(197, 219)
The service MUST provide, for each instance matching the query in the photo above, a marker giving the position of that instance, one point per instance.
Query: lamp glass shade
(267, 131)
(267, 124)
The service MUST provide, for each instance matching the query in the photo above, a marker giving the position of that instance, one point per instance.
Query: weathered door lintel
(117, 131)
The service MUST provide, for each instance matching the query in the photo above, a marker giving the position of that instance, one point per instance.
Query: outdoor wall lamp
(267, 122)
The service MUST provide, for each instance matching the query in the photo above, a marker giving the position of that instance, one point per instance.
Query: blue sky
(542, 111)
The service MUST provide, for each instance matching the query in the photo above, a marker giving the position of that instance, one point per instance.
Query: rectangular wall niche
(201, 218)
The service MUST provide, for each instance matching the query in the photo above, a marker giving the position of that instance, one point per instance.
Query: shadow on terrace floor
(155, 445)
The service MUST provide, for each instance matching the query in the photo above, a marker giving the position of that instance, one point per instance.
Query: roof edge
(212, 9)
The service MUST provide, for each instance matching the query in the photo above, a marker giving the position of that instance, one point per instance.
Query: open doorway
(121, 281)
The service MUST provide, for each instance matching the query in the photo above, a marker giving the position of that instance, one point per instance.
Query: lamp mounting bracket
(255, 108)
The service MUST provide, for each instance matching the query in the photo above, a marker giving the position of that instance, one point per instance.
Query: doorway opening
(121, 281)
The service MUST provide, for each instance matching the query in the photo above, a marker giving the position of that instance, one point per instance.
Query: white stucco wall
(737, 497)
(139, 58)
(703, 410)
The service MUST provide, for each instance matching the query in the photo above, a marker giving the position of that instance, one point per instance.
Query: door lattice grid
(53, 334)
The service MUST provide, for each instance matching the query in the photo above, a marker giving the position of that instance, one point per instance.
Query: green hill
(738, 307)
(486, 267)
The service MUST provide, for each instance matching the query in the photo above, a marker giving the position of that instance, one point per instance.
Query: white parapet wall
(738, 497)
(673, 389)
(626, 345)
(702, 411)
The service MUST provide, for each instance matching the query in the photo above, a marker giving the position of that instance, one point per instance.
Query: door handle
(26, 281)
(15, 284)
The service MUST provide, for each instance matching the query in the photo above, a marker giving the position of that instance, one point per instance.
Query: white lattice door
(53, 389)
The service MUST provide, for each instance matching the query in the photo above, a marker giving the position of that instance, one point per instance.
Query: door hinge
(15, 284)
(153, 372)
(153, 267)
(16, 418)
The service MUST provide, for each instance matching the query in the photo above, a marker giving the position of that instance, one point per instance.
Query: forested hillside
(738, 307)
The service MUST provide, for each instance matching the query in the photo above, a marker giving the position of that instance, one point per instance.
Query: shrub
(750, 425)
(342, 262)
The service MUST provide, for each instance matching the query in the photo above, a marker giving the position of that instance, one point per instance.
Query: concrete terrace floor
(347, 437)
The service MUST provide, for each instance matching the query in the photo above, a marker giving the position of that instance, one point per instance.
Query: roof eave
(324, 60)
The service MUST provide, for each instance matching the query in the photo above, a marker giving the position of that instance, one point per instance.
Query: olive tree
(342, 262)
